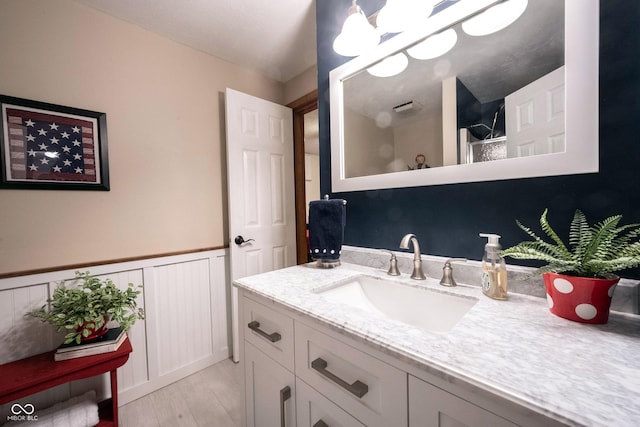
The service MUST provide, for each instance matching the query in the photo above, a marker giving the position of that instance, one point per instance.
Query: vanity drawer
(372, 391)
(270, 331)
(315, 410)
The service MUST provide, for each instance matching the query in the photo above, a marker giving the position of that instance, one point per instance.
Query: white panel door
(535, 121)
(261, 189)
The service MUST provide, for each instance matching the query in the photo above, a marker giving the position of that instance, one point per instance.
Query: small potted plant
(579, 278)
(83, 311)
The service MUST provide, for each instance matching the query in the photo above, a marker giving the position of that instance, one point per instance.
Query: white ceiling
(276, 38)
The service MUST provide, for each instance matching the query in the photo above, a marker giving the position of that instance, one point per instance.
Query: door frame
(300, 107)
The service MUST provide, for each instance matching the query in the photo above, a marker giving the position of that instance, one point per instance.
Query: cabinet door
(431, 406)
(269, 391)
(315, 410)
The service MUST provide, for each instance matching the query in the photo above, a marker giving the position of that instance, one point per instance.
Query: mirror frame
(581, 153)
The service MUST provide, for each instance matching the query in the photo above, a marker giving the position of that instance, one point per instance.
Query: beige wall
(164, 105)
(368, 148)
(311, 179)
(422, 136)
(302, 84)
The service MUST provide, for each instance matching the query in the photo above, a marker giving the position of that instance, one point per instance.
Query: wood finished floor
(209, 398)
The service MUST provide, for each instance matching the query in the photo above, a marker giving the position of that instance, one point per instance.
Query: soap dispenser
(494, 269)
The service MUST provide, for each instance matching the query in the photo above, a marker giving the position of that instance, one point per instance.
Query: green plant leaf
(594, 250)
(560, 247)
(89, 299)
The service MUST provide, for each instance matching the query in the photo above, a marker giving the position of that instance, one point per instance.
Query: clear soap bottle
(494, 269)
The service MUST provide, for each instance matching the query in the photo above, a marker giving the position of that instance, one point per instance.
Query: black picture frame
(52, 147)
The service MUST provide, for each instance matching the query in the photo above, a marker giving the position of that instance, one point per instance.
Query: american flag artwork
(49, 147)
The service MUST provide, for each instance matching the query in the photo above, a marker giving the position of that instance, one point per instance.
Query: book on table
(110, 341)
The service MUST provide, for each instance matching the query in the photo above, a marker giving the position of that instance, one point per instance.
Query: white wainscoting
(187, 327)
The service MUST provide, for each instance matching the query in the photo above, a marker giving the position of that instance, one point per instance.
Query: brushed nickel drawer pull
(320, 423)
(358, 388)
(285, 394)
(255, 326)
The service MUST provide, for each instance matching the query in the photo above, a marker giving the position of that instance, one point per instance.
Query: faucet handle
(393, 264)
(447, 272)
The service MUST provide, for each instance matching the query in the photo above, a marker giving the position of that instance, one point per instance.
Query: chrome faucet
(417, 258)
(447, 272)
(393, 264)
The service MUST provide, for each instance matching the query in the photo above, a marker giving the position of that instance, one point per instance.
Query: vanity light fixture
(400, 15)
(357, 36)
(435, 45)
(389, 66)
(495, 18)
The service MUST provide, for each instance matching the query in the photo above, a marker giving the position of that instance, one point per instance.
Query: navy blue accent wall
(448, 218)
(473, 112)
(469, 109)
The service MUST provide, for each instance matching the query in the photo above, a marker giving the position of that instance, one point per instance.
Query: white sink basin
(423, 308)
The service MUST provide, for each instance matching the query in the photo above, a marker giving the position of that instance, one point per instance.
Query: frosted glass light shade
(495, 18)
(389, 66)
(399, 15)
(357, 35)
(435, 45)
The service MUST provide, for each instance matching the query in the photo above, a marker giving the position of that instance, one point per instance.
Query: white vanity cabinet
(430, 406)
(269, 392)
(333, 384)
(315, 410)
(372, 391)
(267, 355)
(299, 372)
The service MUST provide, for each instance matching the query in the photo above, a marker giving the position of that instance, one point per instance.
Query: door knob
(240, 240)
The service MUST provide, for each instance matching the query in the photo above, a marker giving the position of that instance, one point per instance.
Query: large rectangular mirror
(520, 102)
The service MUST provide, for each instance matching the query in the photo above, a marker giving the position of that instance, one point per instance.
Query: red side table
(36, 373)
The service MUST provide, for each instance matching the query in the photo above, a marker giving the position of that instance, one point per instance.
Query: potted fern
(83, 311)
(579, 277)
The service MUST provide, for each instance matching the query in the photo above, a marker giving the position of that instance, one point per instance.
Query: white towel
(79, 411)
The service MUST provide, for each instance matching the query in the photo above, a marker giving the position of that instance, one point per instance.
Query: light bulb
(389, 66)
(400, 15)
(435, 45)
(495, 18)
(357, 35)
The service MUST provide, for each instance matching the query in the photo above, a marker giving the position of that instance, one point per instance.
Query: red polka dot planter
(581, 299)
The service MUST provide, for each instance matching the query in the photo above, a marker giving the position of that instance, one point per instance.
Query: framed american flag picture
(46, 146)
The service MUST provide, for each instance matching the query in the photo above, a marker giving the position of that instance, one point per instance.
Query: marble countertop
(579, 374)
